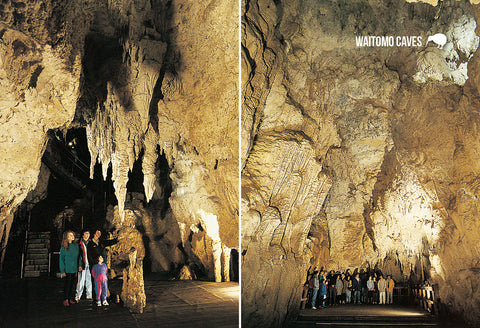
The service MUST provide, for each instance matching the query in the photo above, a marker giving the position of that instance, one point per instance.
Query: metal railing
(423, 296)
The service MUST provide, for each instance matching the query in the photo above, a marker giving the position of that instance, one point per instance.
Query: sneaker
(105, 302)
(99, 303)
(73, 302)
(77, 299)
(314, 308)
(66, 303)
(89, 297)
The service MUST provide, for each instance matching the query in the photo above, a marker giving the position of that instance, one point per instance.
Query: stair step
(38, 235)
(31, 274)
(369, 316)
(361, 324)
(43, 251)
(38, 240)
(41, 261)
(42, 268)
(37, 256)
(39, 245)
(364, 318)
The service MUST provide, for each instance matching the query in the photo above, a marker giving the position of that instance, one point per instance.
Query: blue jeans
(356, 297)
(349, 297)
(314, 297)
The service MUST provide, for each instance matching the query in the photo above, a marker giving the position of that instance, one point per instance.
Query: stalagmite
(133, 291)
(217, 259)
(226, 262)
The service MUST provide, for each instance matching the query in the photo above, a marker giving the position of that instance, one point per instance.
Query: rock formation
(126, 257)
(147, 80)
(133, 291)
(357, 157)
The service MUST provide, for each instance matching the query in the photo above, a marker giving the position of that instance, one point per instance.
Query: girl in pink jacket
(99, 273)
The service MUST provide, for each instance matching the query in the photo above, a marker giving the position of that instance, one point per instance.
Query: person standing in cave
(371, 288)
(68, 262)
(310, 287)
(375, 290)
(99, 273)
(332, 293)
(344, 288)
(348, 289)
(339, 288)
(316, 287)
(84, 277)
(381, 289)
(390, 285)
(363, 282)
(323, 290)
(96, 248)
(356, 288)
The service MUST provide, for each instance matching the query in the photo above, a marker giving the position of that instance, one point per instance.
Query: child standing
(323, 291)
(99, 273)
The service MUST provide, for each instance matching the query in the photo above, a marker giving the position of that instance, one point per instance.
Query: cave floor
(38, 303)
(395, 315)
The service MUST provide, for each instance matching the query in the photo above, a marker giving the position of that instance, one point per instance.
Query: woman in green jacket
(69, 263)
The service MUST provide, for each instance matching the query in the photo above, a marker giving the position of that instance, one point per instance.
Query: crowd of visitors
(82, 263)
(333, 288)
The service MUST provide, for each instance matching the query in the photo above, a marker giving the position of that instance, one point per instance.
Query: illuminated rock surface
(381, 141)
(149, 81)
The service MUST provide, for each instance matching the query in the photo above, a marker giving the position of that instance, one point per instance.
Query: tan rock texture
(382, 140)
(133, 290)
(146, 79)
(40, 68)
(125, 258)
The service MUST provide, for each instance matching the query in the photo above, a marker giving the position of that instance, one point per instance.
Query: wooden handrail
(304, 298)
(426, 298)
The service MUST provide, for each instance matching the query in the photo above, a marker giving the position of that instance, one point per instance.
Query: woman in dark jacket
(69, 263)
(97, 248)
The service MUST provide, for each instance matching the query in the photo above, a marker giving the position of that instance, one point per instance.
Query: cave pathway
(369, 316)
(38, 303)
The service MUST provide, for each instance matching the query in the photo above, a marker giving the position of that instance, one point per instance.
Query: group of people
(81, 263)
(334, 288)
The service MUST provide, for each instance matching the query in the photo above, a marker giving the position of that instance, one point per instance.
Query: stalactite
(148, 163)
(92, 148)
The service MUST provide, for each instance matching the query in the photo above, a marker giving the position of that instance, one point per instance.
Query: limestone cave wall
(146, 79)
(358, 157)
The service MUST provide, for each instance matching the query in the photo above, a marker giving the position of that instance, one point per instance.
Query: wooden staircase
(36, 258)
